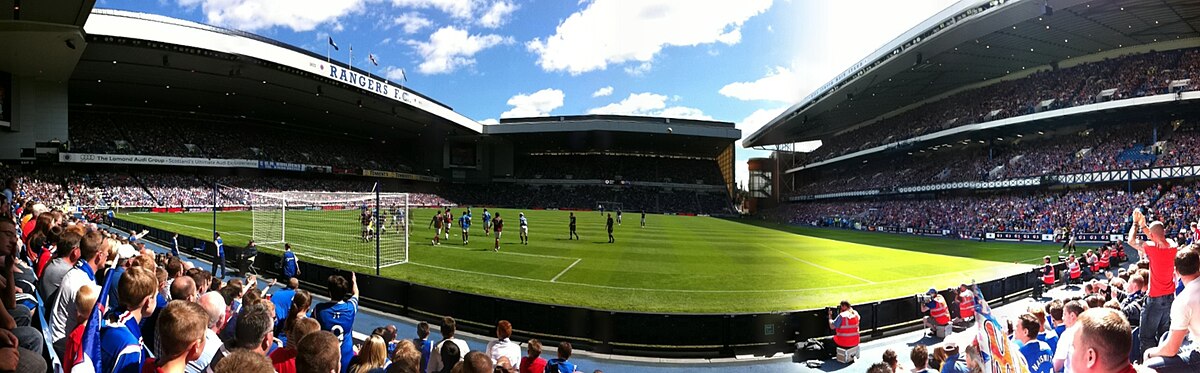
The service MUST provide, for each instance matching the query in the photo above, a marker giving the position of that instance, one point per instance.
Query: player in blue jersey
(219, 259)
(337, 315)
(524, 226)
(487, 222)
(289, 264)
(121, 347)
(464, 222)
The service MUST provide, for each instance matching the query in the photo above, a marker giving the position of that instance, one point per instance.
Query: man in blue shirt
(464, 221)
(175, 245)
(1037, 354)
(121, 348)
(219, 260)
(290, 264)
(487, 222)
(283, 301)
(337, 315)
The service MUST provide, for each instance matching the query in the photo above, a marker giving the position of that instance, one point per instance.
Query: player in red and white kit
(437, 224)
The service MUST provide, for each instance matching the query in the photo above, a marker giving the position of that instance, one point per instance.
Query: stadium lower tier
(1101, 210)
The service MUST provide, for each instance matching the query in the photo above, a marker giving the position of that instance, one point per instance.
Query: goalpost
(359, 229)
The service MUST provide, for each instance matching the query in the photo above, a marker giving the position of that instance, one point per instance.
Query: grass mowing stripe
(823, 267)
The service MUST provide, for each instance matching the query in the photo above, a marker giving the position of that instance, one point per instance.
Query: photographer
(844, 326)
(966, 304)
(939, 313)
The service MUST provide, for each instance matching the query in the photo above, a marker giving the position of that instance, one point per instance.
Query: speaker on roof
(1048, 10)
(920, 59)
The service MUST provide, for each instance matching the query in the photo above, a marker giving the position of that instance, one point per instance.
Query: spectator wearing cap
(939, 313)
(1185, 320)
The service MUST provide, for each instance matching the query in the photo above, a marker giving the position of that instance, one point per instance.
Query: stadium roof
(975, 42)
(592, 133)
(137, 60)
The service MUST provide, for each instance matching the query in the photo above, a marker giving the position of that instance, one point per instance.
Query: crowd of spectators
(1129, 76)
(589, 197)
(107, 133)
(617, 167)
(1099, 148)
(1084, 210)
(160, 313)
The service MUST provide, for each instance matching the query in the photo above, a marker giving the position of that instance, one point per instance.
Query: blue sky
(741, 61)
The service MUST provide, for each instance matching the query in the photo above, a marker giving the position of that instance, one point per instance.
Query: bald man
(1160, 250)
(214, 305)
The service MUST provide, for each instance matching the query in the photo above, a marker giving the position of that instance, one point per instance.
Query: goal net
(357, 229)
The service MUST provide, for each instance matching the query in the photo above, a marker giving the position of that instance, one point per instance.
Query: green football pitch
(681, 264)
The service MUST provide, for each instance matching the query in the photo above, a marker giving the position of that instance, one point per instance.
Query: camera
(924, 298)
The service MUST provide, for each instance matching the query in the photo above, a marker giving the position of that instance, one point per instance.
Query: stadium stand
(1130, 76)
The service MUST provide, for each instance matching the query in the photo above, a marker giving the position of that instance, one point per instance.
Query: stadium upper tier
(980, 43)
(1069, 149)
(1125, 77)
(180, 136)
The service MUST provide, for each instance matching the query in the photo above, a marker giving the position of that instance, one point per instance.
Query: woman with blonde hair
(371, 358)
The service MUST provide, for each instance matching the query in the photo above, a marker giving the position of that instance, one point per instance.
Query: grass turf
(676, 264)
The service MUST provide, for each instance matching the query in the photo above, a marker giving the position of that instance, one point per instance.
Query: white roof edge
(152, 27)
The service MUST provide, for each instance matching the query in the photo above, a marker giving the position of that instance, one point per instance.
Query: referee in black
(610, 229)
(573, 235)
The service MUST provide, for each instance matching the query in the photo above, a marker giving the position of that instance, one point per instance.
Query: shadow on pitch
(930, 245)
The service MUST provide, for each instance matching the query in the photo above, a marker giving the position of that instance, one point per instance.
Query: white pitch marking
(565, 270)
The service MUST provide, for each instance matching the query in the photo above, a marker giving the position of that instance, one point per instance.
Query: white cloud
(394, 74)
(489, 121)
(450, 48)
(639, 70)
(297, 15)
(756, 120)
(497, 15)
(780, 84)
(537, 104)
(649, 104)
(412, 22)
(614, 31)
(461, 9)
(603, 92)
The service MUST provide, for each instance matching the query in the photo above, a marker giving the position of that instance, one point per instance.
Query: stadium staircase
(1137, 153)
(138, 180)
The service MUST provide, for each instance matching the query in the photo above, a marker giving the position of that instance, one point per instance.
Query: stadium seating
(1131, 76)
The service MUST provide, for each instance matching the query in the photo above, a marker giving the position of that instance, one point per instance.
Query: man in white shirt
(93, 252)
(448, 328)
(1185, 319)
(1062, 354)
(502, 346)
(213, 304)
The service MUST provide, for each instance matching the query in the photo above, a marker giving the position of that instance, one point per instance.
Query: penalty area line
(565, 270)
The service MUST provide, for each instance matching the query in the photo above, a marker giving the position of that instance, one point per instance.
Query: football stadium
(221, 186)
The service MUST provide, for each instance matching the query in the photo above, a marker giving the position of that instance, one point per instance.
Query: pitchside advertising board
(1002, 236)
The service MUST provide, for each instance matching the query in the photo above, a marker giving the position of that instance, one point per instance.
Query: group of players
(367, 218)
(443, 219)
